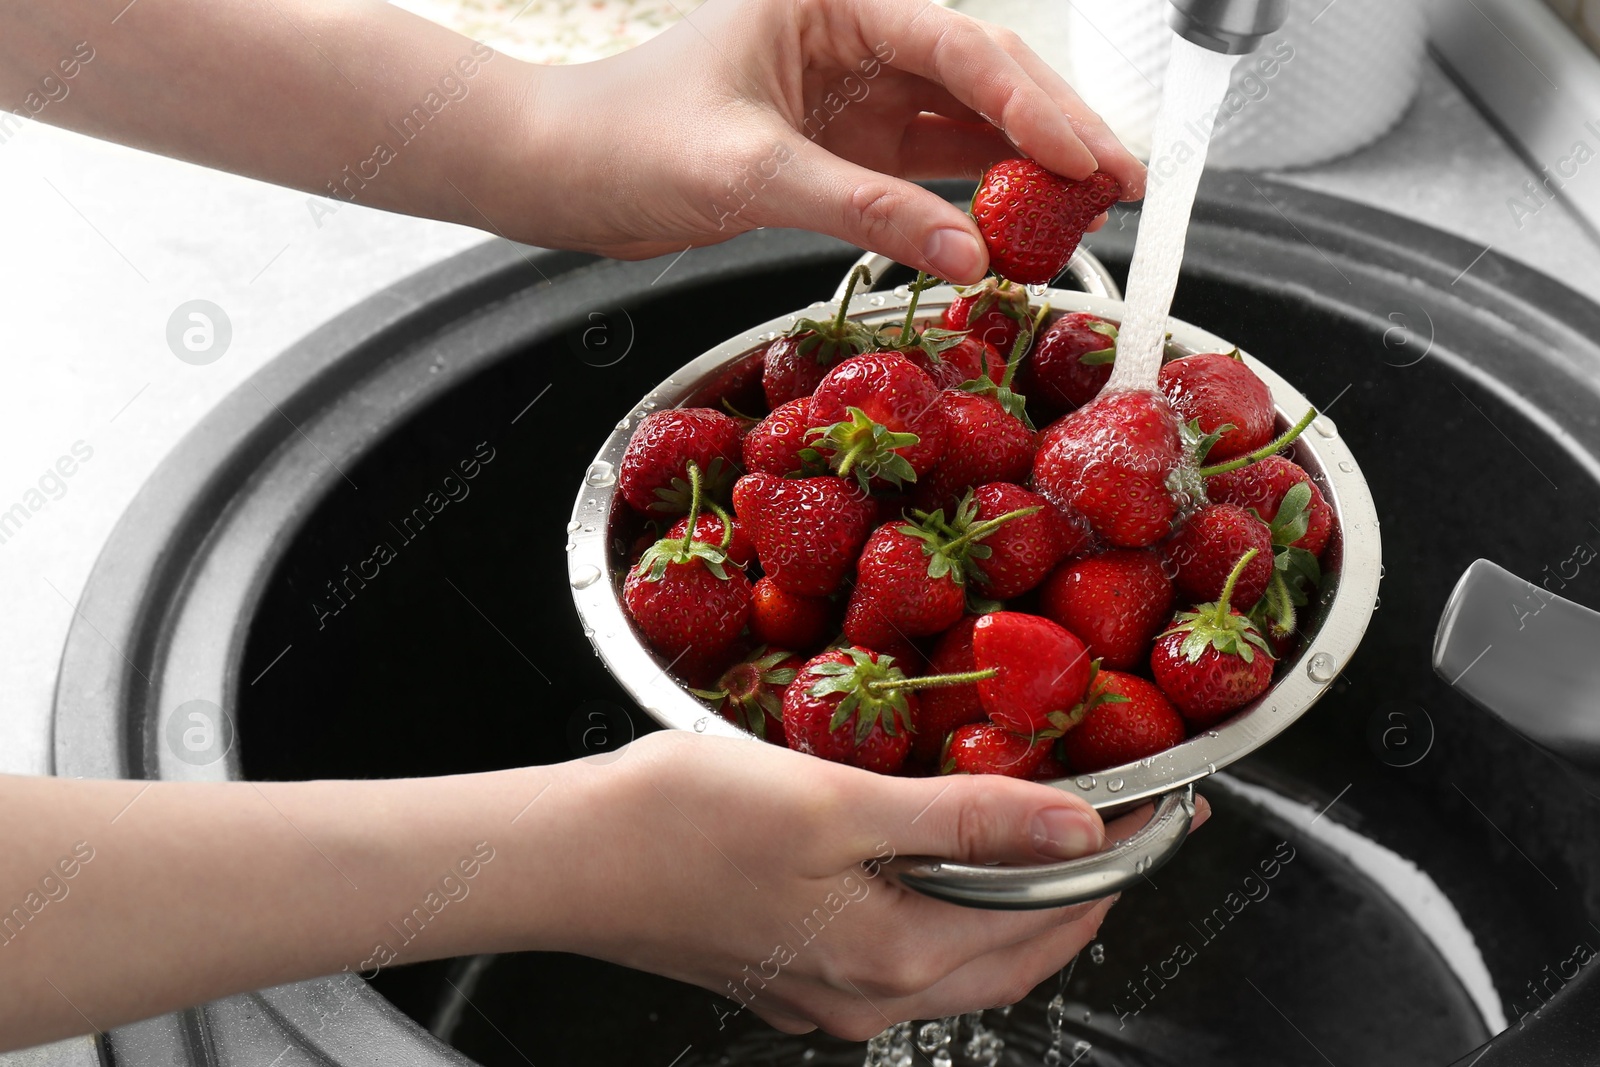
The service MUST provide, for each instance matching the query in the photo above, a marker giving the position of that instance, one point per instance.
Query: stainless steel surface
(1526, 655)
(1231, 27)
(1335, 624)
(1083, 268)
(1055, 885)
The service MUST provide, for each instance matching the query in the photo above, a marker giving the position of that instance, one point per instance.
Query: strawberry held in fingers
(807, 531)
(1212, 660)
(1039, 669)
(994, 311)
(1116, 462)
(1116, 602)
(1221, 395)
(750, 693)
(1125, 718)
(795, 363)
(1032, 220)
(654, 474)
(1071, 362)
(1204, 551)
(855, 706)
(984, 748)
(875, 420)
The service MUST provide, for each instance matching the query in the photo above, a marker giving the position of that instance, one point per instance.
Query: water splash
(1197, 78)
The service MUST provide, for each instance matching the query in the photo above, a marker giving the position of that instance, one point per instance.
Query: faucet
(1231, 27)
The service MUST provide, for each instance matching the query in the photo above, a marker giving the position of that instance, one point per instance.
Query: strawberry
(911, 578)
(984, 748)
(750, 693)
(1039, 669)
(1025, 549)
(983, 443)
(807, 531)
(795, 363)
(941, 710)
(684, 600)
(712, 530)
(1116, 602)
(1126, 718)
(993, 311)
(967, 360)
(1202, 553)
(1032, 220)
(653, 476)
(1050, 768)
(1221, 395)
(1071, 362)
(787, 620)
(1261, 487)
(777, 444)
(1115, 461)
(1212, 660)
(854, 706)
(874, 417)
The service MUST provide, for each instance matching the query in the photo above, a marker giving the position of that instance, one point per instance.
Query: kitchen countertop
(105, 243)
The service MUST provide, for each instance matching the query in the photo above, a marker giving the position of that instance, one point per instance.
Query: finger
(966, 57)
(1091, 129)
(828, 194)
(977, 819)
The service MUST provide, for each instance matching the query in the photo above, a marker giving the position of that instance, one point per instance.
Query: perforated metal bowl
(1332, 627)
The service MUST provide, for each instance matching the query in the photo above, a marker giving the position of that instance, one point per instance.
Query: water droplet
(1080, 1049)
(573, 526)
(648, 405)
(1321, 668)
(600, 474)
(571, 546)
(1055, 1013)
(1038, 291)
(700, 725)
(1086, 781)
(809, 1054)
(1324, 426)
(585, 576)
(1346, 466)
(1377, 602)
(1052, 1057)
(1381, 571)
(933, 1036)
(877, 300)
(817, 304)
(1211, 768)
(1114, 785)
(1097, 954)
(623, 424)
(902, 291)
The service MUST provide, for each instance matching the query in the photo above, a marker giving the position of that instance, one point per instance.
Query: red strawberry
(786, 620)
(1050, 768)
(1262, 486)
(844, 706)
(654, 474)
(1203, 552)
(1071, 362)
(1040, 669)
(1114, 461)
(807, 531)
(942, 709)
(1218, 390)
(684, 600)
(1212, 660)
(750, 693)
(993, 311)
(966, 360)
(1032, 220)
(710, 530)
(983, 443)
(1017, 556)
(984, 748)
(878, 420)
(1116, 602)
(1126, 719)
(796, 362)
(776, 443)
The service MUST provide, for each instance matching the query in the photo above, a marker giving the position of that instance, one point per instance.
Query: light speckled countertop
(103, 243)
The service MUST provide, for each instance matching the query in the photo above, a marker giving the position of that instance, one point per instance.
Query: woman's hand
(800, 113)
(738, 866)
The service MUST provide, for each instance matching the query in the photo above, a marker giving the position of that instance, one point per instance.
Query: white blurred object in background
(1338, 75)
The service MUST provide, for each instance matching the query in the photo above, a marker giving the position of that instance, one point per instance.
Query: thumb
(982, 819)
(899, 219)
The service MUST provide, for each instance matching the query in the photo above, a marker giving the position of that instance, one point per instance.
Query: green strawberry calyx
(752, 689)
(905, 337)
(1097, 694)
(954, 547)
(1295, 571)
(830, 341)
(997, 294)
(875, 690)
(1012, 401)
(655, 560)
(862, 446)
(1102, 356)
(678, 495)
(1218, 626)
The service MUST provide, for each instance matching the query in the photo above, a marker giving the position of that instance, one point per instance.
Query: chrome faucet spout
(1232, 27)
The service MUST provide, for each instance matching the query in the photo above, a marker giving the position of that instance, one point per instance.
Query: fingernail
(1064, 833)
(955, 254)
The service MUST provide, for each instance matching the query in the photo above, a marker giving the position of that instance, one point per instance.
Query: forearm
(123, 900)
(356, 100)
